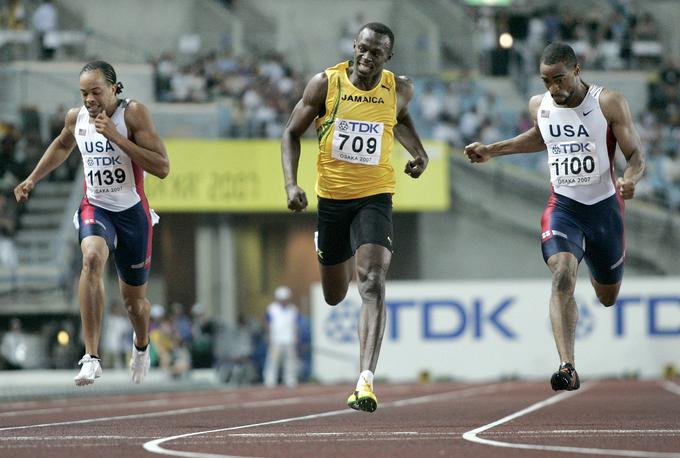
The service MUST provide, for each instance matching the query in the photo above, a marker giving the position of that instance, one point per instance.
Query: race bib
(573, 163)
(358, 142)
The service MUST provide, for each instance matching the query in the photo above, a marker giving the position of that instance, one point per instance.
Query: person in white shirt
(44, 20)
(282, 320)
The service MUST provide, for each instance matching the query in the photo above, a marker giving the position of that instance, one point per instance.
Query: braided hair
(107, 70)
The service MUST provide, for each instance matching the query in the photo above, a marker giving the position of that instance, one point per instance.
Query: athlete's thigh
(332, 238)
(133, 251)
(605, 244)
(95, 221)
(373, 223)
(561, 232)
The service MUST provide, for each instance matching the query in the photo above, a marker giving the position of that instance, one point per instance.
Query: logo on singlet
(98, 147)
(361, 98)
(568, 130)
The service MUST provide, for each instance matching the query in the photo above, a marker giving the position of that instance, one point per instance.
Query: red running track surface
(511, 419)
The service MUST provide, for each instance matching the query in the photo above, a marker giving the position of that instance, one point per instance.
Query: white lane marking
(70, 438)
(472, 435)
(283, 401)
(672, 387)
(589, 432)
(118, 417)
(154, 445)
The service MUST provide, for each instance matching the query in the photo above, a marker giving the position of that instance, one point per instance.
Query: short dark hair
(380, 28)
(107, 70)
(559, 52)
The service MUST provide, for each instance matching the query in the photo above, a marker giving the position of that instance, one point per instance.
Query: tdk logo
(98, 147)
(567, 148)
(359, 127)
(557, 130)
(103, 161)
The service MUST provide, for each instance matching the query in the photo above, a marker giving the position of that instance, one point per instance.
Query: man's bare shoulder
(71, 118)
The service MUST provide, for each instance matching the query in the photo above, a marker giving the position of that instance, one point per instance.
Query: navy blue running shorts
(594, 232)
(128, 235)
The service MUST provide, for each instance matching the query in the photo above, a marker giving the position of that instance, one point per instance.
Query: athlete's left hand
(625, 187)
(105, 126)
(416, 167)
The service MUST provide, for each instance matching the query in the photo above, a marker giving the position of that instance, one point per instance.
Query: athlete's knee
(608, 296)
(136, 305)
(372, 283)
(93, 262)
(334, 297)
(564, 280)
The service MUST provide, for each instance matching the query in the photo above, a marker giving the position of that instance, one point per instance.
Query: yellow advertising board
(245, 176)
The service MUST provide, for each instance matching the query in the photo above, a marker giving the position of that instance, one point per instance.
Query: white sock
(364, 378)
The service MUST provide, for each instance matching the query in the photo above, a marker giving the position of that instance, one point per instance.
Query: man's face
(97, 94)
(371, 51)
(560, 81)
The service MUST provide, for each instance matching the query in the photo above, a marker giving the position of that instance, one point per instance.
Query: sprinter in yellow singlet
(358, 108)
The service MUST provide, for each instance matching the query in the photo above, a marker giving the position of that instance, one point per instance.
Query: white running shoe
(139, 363)
(91, 369)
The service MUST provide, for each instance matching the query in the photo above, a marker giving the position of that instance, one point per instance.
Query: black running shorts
(345, 225)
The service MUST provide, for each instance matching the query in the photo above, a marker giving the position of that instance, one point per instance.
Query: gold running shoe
(364, 399)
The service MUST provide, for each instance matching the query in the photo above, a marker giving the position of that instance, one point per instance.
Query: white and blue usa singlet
(112, 180)
(581, 147)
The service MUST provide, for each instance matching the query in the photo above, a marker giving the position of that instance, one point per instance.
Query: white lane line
(165, 413)
(472, 435)
(118, 417)
(154, 446)
(672, 387)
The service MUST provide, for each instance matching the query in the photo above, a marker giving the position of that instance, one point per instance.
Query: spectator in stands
(43, 21)
(117, 335)
(282, 320)
(13, 15)
(173, 357)
(13, 347)
(8, 251)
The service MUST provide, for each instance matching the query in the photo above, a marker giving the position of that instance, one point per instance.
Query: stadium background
(220, 79)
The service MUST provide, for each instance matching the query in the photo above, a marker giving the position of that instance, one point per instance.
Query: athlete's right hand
(476, 152)
(297, 199)
(23, 189)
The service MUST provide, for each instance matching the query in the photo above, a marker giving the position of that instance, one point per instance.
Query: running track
(512, 419)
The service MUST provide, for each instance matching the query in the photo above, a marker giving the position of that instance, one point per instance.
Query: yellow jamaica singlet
(355, 137)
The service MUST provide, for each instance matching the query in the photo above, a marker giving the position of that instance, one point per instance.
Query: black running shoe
(565, 378)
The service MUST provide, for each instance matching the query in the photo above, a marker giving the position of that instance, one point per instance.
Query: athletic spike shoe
(364, 399)
(139, 363)
(90, 370)
(565, 378)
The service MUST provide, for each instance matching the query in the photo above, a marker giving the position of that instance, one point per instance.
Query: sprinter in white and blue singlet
(581, 125)
(119, 144)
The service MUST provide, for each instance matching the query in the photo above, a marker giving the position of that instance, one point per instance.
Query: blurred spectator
(117, 336)
(181, 323)
(173, 357)
(13, 15)
(43, 21)
(305, 346)
(8, 252)
(234, 351)
(282, 320)
(10, 168)
(13, 347)
(204, 331)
